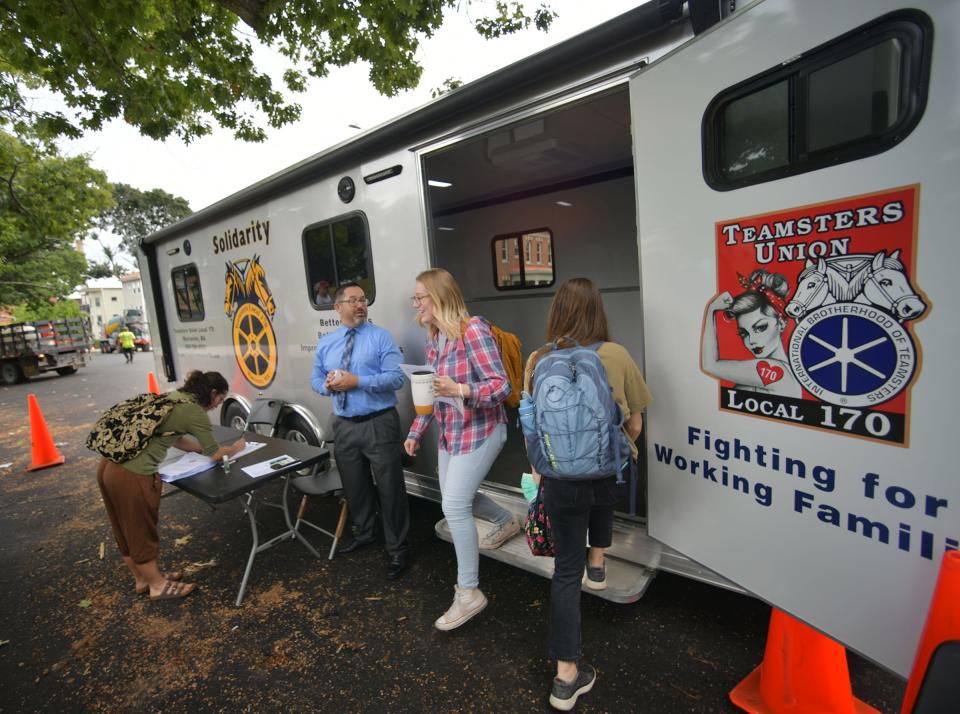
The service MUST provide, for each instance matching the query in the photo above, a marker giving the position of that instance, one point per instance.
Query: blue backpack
(571, 423)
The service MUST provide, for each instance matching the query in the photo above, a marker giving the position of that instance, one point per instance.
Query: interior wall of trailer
(594, 237)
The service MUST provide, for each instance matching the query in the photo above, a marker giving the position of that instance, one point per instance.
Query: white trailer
(681, 157)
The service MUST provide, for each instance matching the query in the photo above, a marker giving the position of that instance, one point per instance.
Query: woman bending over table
(131, 490)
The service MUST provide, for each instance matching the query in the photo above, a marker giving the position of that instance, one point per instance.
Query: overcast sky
(218, 165)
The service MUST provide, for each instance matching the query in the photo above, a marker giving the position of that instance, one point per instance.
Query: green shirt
(188, 417)
(126, 339)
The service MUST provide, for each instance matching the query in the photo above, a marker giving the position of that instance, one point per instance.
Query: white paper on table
(269, 466)
(409, 369)
(187, 465)
(248, 449)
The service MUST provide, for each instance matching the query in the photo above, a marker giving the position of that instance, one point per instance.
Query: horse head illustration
(256, 283)
(234, 289)
(873, 279)
(813, 289)
(889, 287)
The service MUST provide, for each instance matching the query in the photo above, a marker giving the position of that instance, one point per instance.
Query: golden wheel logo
(249, 302)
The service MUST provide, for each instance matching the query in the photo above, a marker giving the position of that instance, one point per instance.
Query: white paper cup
(421, 384)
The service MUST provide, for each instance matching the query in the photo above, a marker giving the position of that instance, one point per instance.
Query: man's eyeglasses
(354, 301)
(417, 299)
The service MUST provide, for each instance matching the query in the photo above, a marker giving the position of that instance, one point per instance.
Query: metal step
(626, 581)
(632, 560)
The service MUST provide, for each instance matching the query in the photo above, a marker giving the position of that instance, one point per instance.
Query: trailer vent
(531, 156)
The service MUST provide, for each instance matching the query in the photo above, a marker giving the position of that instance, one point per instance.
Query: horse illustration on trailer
(246, 281)
(874, 279)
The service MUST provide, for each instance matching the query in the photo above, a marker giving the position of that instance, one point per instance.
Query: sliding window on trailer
(336, 252)
(854, 97)
(187, 293)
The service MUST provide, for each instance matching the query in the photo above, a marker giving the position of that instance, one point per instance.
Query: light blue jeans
(460, 477)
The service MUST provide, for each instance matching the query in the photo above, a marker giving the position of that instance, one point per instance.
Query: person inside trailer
(321, 293)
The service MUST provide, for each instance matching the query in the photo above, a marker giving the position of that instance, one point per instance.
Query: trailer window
(186, 290)
(337, 252)
(855, 97)
(536, 268)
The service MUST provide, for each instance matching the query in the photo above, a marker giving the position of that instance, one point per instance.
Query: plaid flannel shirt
(473, 360)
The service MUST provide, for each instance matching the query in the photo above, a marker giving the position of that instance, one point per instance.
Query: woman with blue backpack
(589, 397)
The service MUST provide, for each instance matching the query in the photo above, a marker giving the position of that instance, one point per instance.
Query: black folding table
(215, 486)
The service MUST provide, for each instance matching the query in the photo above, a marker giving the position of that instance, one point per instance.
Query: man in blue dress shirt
(358, 365)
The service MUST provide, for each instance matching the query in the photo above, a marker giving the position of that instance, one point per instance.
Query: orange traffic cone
(943, 624)
(152, 385)
(44, 452)
(803, 672)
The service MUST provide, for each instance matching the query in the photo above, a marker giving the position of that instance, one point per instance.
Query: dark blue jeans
(574, 508)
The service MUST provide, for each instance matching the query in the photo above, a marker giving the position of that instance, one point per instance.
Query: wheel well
(293, 412)
(228, 405)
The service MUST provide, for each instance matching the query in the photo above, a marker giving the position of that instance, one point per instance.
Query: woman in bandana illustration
(761, 319)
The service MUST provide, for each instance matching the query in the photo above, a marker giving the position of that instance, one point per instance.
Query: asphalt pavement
(312, 635)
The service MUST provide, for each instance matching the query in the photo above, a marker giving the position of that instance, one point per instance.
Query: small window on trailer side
(187, 293)
(530, 272)
(854, 97)
(337, 252)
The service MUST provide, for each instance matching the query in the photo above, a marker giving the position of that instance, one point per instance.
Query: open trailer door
(796, 177)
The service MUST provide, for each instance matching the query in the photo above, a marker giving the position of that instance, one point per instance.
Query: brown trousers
(133, 506)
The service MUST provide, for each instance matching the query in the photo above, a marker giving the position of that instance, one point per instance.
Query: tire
(294, 427)
(64, 371)
(10, 373)
(234, 416)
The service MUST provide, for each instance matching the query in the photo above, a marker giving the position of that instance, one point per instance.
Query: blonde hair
(449, 308)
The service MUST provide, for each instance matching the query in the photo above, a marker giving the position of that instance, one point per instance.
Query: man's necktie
(345, 364)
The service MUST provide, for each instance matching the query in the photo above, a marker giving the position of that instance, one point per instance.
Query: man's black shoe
(398, 563)
(355, 544)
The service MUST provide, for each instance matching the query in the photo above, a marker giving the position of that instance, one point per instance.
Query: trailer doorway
(516, 210)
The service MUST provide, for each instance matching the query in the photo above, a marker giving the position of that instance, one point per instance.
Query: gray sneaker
(500, 534)
(596, 577)
(564, 695)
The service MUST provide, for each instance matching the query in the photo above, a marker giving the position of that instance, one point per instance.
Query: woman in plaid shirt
(468, 368)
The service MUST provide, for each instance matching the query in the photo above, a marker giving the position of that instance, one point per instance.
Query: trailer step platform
(632, 561)
(626, 581)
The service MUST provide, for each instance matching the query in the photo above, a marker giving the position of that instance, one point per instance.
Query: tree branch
(254, 13)
(13, 194)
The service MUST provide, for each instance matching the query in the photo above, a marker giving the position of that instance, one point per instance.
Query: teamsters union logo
(812, 321)
(849, 346)
(250, 303)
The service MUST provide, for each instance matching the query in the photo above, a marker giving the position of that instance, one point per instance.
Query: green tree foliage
(449, 84)
(135, 214)
(47, 201)
(100, 269)
(46, 311)
(179, 67)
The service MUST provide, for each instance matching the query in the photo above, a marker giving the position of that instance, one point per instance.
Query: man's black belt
(367, 417)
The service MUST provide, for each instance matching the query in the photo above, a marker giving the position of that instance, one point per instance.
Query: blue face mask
(529, 487)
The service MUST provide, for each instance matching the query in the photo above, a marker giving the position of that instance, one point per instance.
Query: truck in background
(31, 348)
(133, 319)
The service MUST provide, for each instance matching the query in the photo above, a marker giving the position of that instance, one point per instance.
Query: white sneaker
(466, 604)
(500, 534)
